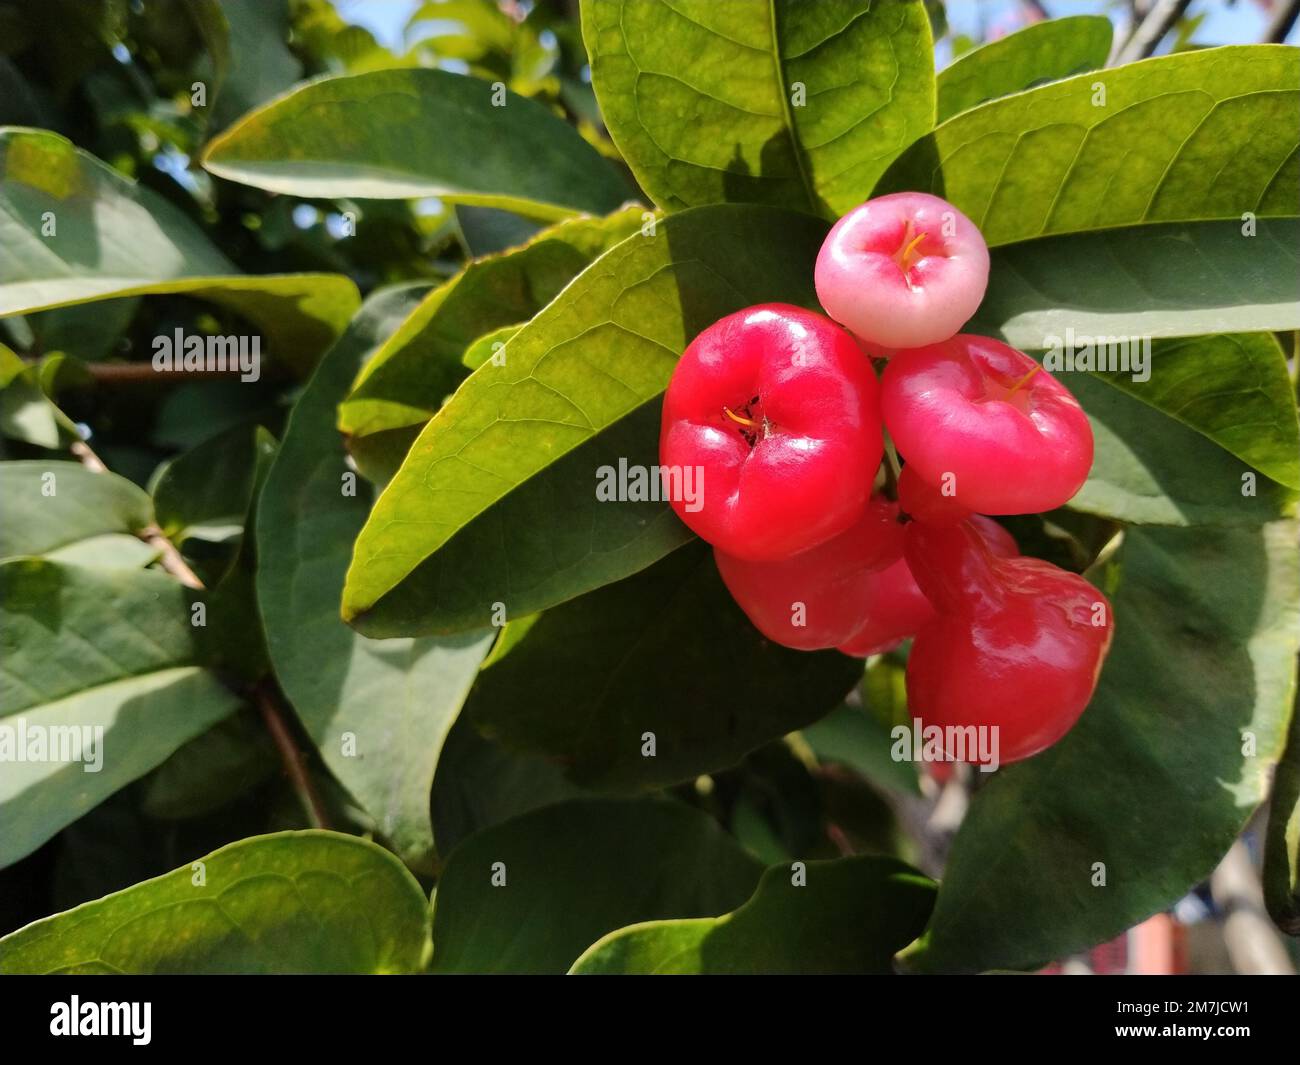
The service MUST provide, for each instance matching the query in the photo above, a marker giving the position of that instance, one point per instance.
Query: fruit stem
(892, 470)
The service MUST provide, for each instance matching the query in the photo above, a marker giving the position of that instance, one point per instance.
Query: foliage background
(523, 747)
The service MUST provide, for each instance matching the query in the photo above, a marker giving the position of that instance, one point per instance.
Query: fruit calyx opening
(907, 256)
(752, 427)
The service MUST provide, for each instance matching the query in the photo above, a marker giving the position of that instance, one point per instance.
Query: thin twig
(144, 373)
(292, 758)
(1148, 34)
(152, 535)
(1284, 16)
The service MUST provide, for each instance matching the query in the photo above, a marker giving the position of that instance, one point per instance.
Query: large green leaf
(1160, 774)
(260, 64)
(1176, 280)
(1232, 388)
(1195, 135)
(420, 364)
(86, 650)
(665, 652)
(394, 134)
(590, 866)
(64, 511)
(796, 105)
(1152, 470)
(479, 784)
(291, 902)
(850, 915)
(479, 485)
(113, 238)
(396, 699)
(1043, 51)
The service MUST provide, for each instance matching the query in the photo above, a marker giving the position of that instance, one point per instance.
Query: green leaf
(792, 105)
(26, 412)
(110, 651)
(224, 764)
(398, 698)
(479, 784)
(62, 507)
(488, 345)
(1197, 135)
(1281, 875)
(396, 134)
(480, 484)
(857, 738)
(112, 237)
(1233, 389)
(420, 365)
(1187, 722)
(850, 916)
(290, 902)
(487, 229)
(1149, 469)
(205, 493)
(258, 63)
(665, 652)
(590, 866)
(1041, 52)
(1176, 280)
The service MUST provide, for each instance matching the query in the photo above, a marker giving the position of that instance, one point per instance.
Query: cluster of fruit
(781, 410)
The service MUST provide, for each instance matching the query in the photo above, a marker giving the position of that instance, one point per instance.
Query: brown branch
(1148, 34)
(170, 558)
(143, 373)
(1284, 16)
(292, 758)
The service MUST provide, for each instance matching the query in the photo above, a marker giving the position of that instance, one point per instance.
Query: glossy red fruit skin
(893, 607)
(1013, 436)
(832, 581)
(1013, 643)
(801, 473)
(922, 501)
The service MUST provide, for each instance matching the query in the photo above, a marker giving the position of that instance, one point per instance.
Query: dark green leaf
(205, 493)
(665, 652)
(590, 866)
(378, 712)
(1282, 842)
(848, 916)
(479, 784)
